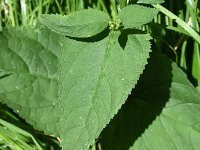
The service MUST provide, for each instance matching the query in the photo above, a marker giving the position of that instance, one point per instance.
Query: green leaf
(95, 81)
(178, 126)
(28, 70)
(81, 24)
(134, 16)
(161, 113)
(150, 1)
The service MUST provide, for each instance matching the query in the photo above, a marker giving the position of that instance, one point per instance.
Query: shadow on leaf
(142, 106)
(123, 38)
(94, 38)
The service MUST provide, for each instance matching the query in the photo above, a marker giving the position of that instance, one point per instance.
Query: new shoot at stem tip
(115, 24)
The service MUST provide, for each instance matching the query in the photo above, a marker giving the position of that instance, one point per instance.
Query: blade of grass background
(73, 5)
(19, 131)
(183, 56)
(193, 12)
(23, 12)
(180, 22)
(1, 18)
(15, 11)
(177, 29)
(68, 6)
(186, 19)
(17, 134)
(196, 63)
(11, 13)
(123, 3)
(102, 6)
(40, 7)
(59, 7)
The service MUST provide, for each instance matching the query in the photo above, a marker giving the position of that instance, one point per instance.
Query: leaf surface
(178, 125)
(95, 81)
(81, 24)
(28, 75)
(134, 16)
(161, 113)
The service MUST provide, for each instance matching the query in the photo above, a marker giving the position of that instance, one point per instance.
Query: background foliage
(169, 38)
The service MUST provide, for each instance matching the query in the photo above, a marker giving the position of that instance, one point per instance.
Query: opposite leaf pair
(88, 23)
(96, 78)
(73, 87)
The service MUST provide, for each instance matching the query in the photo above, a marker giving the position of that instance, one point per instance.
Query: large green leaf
(95, 81)
(161, 113)
(84, 23)
(178, 126)
(28, 75)
(134, 16)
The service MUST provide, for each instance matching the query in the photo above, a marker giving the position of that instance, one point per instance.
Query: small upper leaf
(81, 24)
(134, 16)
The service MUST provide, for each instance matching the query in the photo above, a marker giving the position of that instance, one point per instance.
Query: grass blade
(180, 22)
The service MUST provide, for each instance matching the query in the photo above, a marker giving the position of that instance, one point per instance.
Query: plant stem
(113, 9)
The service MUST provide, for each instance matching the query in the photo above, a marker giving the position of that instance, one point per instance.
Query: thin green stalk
(68, 6)
(183, 56)
(165, 42)
(1, 20)
(15, 13)
(196, 63)
(11, 13)
(59, 7)
(73, 5)
(40, 8)
(113, 9)
(20, 131)
(98, 6)
(77, 5)
(176, 29)
(103, 6)
(14, 139)
(23, 12)
(46, 5)
(80, 5)
(32, 15)
(180, 22)
(123, 3)
(192, 9)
